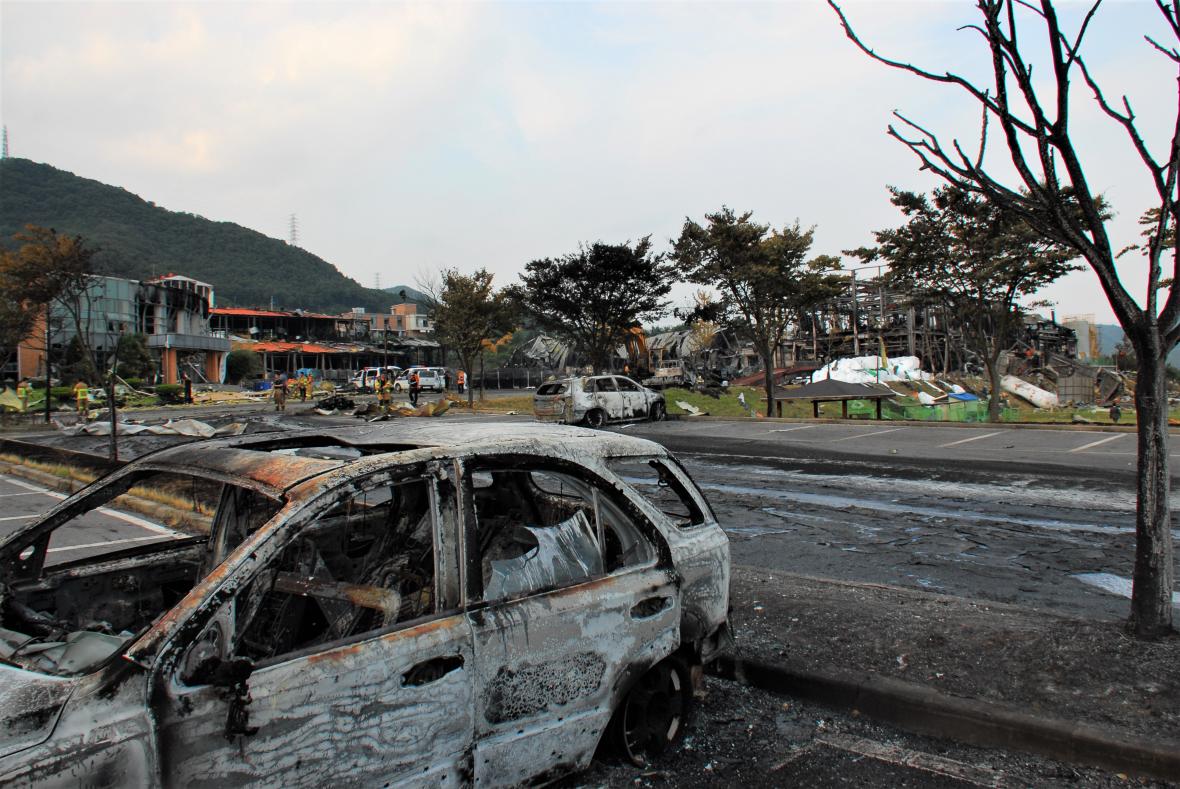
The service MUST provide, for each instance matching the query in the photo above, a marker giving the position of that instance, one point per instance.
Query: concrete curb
(923, 710)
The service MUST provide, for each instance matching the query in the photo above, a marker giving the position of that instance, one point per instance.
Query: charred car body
(596, 400)
(419, 605)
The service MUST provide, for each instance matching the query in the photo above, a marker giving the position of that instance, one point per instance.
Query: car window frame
(242, 566)
(471, 561)
(682, 478)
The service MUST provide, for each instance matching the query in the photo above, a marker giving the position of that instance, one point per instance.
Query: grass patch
(522, 404)
(59, 470)
(727, 404)
(180, 511)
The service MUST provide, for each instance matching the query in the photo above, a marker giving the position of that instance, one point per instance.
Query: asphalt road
(1044, 518)
(978, 448)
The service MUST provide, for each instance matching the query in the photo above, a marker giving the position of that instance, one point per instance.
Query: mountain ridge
(139, 239)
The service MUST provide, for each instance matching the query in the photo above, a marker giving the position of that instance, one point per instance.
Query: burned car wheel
(655, 712)
(657, 412)
(596, 418)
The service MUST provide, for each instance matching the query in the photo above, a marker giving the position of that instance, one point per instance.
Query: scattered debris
(1033, 394)
(690, 409)
(179, 427)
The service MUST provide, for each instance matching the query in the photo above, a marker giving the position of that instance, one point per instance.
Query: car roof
(268, 461)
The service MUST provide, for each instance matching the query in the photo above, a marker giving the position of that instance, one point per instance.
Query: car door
(341, 656)
(570, 598)
(634, 401)
(605, 395)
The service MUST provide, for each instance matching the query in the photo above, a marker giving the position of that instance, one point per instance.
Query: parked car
(596, 400)
(402, 604)
(429, 378)
(366, 378)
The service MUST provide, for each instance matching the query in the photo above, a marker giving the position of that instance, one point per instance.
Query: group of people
(303, 385)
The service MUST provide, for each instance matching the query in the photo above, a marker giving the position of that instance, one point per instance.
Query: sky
(408, 137)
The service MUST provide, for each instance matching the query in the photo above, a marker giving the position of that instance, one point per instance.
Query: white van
(365, 379)
(428, 378)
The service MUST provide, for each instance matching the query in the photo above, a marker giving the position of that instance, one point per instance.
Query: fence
(510, 378)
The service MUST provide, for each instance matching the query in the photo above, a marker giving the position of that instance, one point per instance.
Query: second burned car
(596, 400)
(428, 605)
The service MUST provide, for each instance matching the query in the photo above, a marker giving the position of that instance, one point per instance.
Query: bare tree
(1033, 116)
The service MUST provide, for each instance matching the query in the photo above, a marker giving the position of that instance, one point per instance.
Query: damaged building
(172, 311)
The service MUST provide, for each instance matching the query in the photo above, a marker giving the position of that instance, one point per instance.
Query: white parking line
(20, 483)
(973, 438)
(1097, 443)
(778, 430)
(866, 435)
(104, 544)
(22, 517)
(133, 520)
(27, 493)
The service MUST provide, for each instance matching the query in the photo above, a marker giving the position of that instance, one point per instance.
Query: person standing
(22, 394)
(281, 393)
(383, 387)
(460, 381)
(415, 387)
(446, 380)
(81, 397)
(303, 387)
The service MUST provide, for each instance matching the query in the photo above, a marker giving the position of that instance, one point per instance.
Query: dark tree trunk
(993, 382)
(768, 377)
(1151, 603)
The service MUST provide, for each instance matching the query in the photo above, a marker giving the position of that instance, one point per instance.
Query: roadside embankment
(969, 670)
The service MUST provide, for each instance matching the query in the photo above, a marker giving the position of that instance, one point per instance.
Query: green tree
(593, 297)
(48, 269)
(1045, 171)
(467, 314)
(976, 259)
(134, 360)
(763, 275)
(241, 364)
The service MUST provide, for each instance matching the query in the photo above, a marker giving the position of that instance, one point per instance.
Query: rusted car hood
(30, 704)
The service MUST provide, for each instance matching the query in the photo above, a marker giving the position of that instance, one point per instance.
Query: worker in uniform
(281, 393)
(81, 396)
(22, 393)
(381, 386)
(460, 381)
(304, 387)
(415, 387)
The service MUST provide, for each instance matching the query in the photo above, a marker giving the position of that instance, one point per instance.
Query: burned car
(596, 400)
(413, 604)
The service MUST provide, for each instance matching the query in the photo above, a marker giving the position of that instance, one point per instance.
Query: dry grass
(155, 502)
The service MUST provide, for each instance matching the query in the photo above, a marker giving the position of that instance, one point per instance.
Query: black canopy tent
(830, 391)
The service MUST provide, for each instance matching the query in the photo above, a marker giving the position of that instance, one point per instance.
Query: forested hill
(139, 240)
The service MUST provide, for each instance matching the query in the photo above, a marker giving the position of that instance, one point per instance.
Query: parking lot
(99, 531)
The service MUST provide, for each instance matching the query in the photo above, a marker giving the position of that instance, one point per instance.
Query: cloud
(488, 134)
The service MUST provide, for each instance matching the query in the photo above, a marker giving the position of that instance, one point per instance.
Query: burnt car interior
(542, 529)
(655, 479)
(67, 617)
(365, 564)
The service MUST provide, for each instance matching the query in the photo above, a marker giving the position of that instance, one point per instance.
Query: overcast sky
(411, 136)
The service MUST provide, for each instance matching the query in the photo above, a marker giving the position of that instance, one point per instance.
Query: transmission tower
(293, 240)
(4, 151)
(377, 281)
